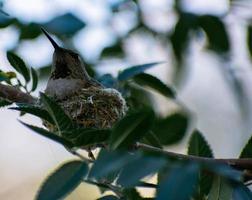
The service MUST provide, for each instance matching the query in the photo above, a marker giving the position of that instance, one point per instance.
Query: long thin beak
(55, 45)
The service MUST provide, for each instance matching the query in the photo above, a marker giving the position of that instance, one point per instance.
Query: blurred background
(206, 46)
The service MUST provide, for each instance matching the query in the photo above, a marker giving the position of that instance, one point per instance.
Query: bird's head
(66, 63)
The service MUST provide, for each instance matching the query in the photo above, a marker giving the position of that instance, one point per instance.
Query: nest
(95, 107)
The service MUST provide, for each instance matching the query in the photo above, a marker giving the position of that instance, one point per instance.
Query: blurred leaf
(84, 137)
(62, 121)
(19, 65)
(63, 181)
(49, 135)
(216, 33)
(144, 79)
(5, 19)
(66, 24)
(241, 192)
(109, 177)
(131, 128)
(138, 169)
(6, 76)
(34, 79)
(180, 36)
(221, 189)
(132, 71)
(179, 184)
(132, 194)
(198, 146)
(171, 129)
(225, 171)
(109, 162)
(29, 31)
(108, 197)
(137, 97)
(151, 139)
(249, 39)
(4, 102)
(108, 81)
(113, 51)
(44, 72)
(36, 111)
(247, 150)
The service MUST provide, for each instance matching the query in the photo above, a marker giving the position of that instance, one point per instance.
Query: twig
(146, 185)
(115, 189)
(241, 164)
(14, 95)
(74, 152)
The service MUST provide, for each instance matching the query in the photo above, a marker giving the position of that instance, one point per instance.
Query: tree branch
(240, 164)
(15, 95)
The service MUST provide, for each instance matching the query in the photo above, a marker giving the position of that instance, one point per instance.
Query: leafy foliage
(171, 129)
(198, 146)
(170, 187)
(63, 181)
(18, 65)
(221, 189)
(66, 24)
(121, 165)
(132, 71)
(131, 128)
(62, 121)
(247, 150)
(154, 83)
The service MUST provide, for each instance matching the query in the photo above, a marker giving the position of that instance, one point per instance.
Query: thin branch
(115, 189)
(241, 164)
(15, 95)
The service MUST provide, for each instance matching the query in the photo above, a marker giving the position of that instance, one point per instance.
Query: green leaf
(49, 135)
(198, 146)
(62, 121)
(131, 128)
(180, 37)
(132, 194)
(108, 197)
(179, 184)
(84, 137)
(247, 150)
(29, 31)
(216, 33)
(171, 129)
(151, 139)
(4, 102)
(221, 189)
(19, 65)
(225, 171)
(34, 79)
(66, 24)
(113, 51)
(241, 192)
(63, 181)
(144, 79)
(140, 168)
(5, 19)
(109, 162)
(249, 39)
(138, 97)
(132, 71)
(34, 110)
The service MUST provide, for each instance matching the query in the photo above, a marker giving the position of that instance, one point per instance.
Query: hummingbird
(84, 99)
